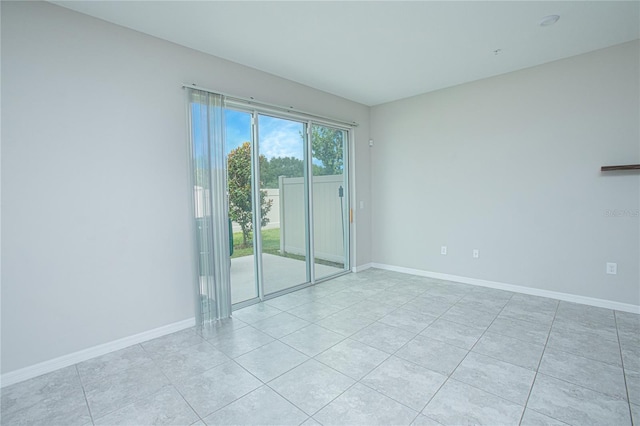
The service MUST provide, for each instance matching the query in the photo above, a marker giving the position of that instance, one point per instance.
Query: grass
(270, 243)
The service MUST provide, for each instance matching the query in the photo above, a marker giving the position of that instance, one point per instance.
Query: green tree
(327, 145)
(280, 166)
(239, 181)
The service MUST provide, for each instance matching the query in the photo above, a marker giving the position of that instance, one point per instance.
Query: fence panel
(327, 215)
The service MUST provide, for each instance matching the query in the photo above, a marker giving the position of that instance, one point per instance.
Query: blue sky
(278, 137)
(238, 129)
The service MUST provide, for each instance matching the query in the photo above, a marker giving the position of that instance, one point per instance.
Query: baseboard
(601, 303)
(362, 267)
(36, 370)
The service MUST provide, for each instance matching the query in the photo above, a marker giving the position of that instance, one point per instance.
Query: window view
(275, 163)
(238, 148)
(330, 215)
(284, 238)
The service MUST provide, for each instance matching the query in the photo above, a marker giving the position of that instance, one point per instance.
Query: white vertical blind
(208, 167)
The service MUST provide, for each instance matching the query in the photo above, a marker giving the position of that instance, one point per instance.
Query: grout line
(344, 374)
(519, 338)
(397, 307)
(473, 346)
(328, 366)
(535, 377)
(84, 392)
(466, 349)
(187, 402)
(122, 370)
(172, 383)
(309, 358)
(371, 298)
(413, 338)
(359, 381)
(237, 398)
(391, 398)
(624, 375)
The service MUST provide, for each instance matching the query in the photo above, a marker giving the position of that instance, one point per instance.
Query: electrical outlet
(612, 268)
(443, 250)
(476, 253)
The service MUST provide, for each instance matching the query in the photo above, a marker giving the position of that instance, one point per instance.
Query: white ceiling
(378, 51)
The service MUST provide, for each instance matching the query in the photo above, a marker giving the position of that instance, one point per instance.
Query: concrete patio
(279, 273)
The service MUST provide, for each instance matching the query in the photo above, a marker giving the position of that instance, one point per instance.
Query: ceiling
(373, 52)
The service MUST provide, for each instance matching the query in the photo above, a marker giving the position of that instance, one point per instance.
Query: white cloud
(280, 138)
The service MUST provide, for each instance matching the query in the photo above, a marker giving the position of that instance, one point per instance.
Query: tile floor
(364, 349)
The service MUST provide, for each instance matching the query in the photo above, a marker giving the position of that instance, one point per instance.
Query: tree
(239, 180)
(327, 145)
(280, 166)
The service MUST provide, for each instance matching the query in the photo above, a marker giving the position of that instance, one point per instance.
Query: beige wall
(93, 116)
(510, 165)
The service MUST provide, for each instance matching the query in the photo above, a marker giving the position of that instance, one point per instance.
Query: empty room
(320, 213)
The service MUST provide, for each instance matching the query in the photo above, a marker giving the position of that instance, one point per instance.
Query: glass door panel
(330, 201)
(283, 201)
(239, 148)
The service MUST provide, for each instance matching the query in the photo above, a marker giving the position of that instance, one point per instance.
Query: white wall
(97, 243)
(510, 165)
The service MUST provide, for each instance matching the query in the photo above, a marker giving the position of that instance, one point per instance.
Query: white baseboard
(362, 267)
(601, 303)
(36, 370)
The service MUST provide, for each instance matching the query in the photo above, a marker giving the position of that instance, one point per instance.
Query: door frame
(308, 196)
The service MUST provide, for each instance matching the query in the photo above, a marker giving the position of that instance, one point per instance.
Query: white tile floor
(364, 349)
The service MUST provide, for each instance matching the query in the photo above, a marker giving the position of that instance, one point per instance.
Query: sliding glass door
(271, 202)
(330, 200)
(288, 203)
(239, 148)
(284, 203)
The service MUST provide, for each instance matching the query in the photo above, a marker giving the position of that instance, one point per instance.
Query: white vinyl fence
(273, 215)
(287, 213)
(202, 209)
(328, 216)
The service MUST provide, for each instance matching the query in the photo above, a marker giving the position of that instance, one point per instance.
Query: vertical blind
(208, 170)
